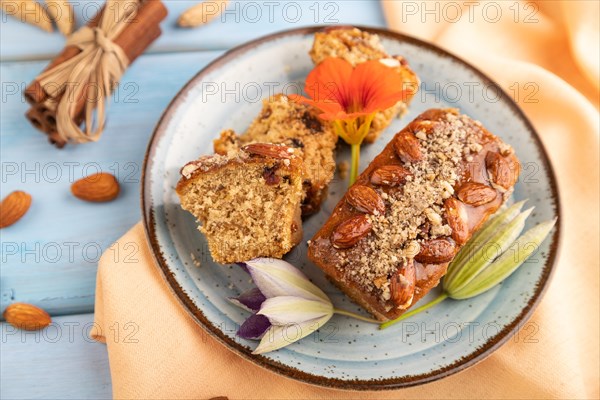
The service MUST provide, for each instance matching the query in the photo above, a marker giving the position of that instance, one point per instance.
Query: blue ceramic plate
(345, 353)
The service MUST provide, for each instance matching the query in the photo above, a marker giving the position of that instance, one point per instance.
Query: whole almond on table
(62, 14)
(26, 316)
(28, 11)
(13, 207)
(201, 13)
(96, 188)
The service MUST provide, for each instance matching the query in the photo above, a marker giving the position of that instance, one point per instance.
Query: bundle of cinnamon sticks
(134, 39)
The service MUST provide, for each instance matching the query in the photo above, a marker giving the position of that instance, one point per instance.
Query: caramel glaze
(323, 254)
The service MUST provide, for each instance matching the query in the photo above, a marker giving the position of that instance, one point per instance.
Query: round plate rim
(357, 384)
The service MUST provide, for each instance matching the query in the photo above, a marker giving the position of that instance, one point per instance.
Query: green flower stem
(353, 315)
(355, 163)
(353, 132)
(340, 130)
(409, 314)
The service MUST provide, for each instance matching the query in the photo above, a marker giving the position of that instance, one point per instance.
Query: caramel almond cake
(248, 202)
(356, 46)
(392, 235)
(296, 125)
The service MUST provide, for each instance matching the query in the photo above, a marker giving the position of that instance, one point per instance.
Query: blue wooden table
(49, 258)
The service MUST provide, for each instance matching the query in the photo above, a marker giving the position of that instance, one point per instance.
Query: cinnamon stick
(34, 93)
(134, 40)
(135, 45)
(37, 119)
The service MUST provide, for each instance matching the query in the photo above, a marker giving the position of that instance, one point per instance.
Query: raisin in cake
(248, 202)
(392, 235)
(356, 46)
(296, 125)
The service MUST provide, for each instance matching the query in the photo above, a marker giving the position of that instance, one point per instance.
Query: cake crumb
(343, 168)
(247, 203)
(195, 261)
(299, 127)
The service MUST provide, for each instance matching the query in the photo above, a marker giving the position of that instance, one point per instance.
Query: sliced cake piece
(296, 125)
(248, 202)
(356, 46)
(390, 238)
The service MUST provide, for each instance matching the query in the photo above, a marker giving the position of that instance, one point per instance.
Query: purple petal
(244, 266)
(250, 300)
(254, 327)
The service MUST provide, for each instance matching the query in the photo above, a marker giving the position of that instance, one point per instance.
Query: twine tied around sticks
(93, 73)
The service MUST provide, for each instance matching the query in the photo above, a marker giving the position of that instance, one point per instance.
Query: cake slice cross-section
(296, 125)
(390, 238)
(247, 202)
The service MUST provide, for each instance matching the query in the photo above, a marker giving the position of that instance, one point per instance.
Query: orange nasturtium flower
(351, 96)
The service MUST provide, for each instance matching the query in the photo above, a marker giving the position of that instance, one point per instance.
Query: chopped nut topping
(421, 135)
(390, 62)
(397, 235)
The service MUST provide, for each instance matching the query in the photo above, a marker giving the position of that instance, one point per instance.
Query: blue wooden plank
(49, 257)
(60, 362)
(243, 20)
